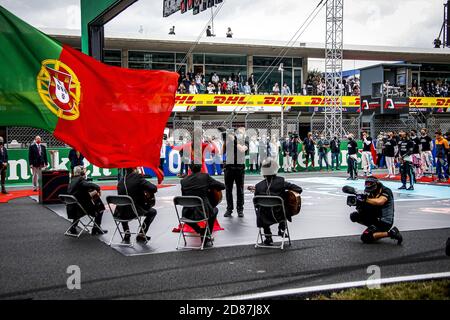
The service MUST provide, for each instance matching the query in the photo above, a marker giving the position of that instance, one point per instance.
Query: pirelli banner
(273, 103)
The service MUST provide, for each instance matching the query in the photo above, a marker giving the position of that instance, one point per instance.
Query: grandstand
(232, 57)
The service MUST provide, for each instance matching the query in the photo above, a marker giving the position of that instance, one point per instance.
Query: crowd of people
(198, 83)
(433, 88)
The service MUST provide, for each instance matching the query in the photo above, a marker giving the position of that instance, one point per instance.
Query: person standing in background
(76, 159)
(309, 149)
(37, 159)
(416, 159)
(253, 152)
(287, 156)
(352, 158)
(379, 148)
(389, 153)
(426, 155)
(322, 146)
(367, 154)
(335, 146)
(162, 153)
(3, 165)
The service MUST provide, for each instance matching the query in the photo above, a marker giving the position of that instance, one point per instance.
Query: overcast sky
(412, 23)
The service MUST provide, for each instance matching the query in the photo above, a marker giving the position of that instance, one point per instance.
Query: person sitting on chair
(199, 184)
(133, 184)
(272, 185)
(85, 192)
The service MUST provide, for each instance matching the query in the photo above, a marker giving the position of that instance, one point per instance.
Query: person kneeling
(272, 185)
(88, 195)
(133, 184)
(376, 211)
(199, 184)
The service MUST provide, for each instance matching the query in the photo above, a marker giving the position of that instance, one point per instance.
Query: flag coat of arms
(114, 116)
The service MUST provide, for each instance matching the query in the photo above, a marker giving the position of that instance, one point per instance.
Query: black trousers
(211, 221)
(2, 176)
(352, 167)
(234, 175)
(281, 227)
(149, 215)
(97, 219)
(407, 170)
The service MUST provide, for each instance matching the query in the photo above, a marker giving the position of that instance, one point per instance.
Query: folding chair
(126, 205)
(271, 202)
(71, 201)
(190, 202)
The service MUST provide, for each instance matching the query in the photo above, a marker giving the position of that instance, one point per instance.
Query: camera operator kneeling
(375, 209)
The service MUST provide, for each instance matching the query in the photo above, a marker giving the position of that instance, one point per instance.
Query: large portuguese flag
(114, 116)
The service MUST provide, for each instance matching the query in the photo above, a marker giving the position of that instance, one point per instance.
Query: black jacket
(199, 184)
(135, 185)
(36, 160)
(3, 155)
(74, 160)
(277, 186)
(80, 188)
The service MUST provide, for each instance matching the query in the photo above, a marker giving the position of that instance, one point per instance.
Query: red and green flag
(114, 116)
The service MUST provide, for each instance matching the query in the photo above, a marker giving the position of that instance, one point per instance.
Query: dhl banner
(273, 103)
(228, 102)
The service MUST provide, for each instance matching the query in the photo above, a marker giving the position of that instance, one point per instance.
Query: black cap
(371, 184)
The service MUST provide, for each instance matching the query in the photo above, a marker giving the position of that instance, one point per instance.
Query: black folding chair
(72, 202)
(125, 212)
(271, 202)
(190, 202)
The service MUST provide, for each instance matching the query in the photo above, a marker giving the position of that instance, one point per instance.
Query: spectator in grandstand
(304, 90)
(202, 87)
(309, 149)
(247, 88)
(285, 90)
(211, 88)
(356, 90)
(335, 147)
(193, 88)
(209, 32)
(425, 151)
(389, 152)
(181, 88)
(229, 33)
(172, 30)
(420, 92)
(215, 79)
(322, 148)
(252, 82)
(3, 165)
(240, 82)
(321, 87)
(413, 92)
(276, 89)
(442, 151)
(230, 83)
(198, 78)
(186, 82)
(224, 86)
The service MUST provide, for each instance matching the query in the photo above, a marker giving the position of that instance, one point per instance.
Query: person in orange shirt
(442, 150)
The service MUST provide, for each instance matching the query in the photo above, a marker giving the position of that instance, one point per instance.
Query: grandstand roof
(256, 47)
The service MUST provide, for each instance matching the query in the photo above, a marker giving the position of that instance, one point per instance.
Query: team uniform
(416, 158)
(405, 149)
(426, 155)
(352, 159)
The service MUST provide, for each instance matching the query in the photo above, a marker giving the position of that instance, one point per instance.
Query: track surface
(35, 256)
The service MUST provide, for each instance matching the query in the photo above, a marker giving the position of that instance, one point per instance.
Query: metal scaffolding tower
(333, 68)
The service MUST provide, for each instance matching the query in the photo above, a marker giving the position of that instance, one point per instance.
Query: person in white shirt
(286, 91)
(274, 148)
(276, 89)
(247, 88)
(253, 152)
(162, 153)
(211, 88)
(193, 88)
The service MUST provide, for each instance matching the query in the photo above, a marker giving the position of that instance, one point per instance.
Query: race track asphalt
(35, 256)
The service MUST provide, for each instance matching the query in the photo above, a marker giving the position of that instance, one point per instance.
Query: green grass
(429, 290)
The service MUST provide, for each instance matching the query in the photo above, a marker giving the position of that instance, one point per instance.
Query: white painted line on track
(337, 286)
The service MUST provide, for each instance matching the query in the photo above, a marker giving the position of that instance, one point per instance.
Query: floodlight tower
(334, 48)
